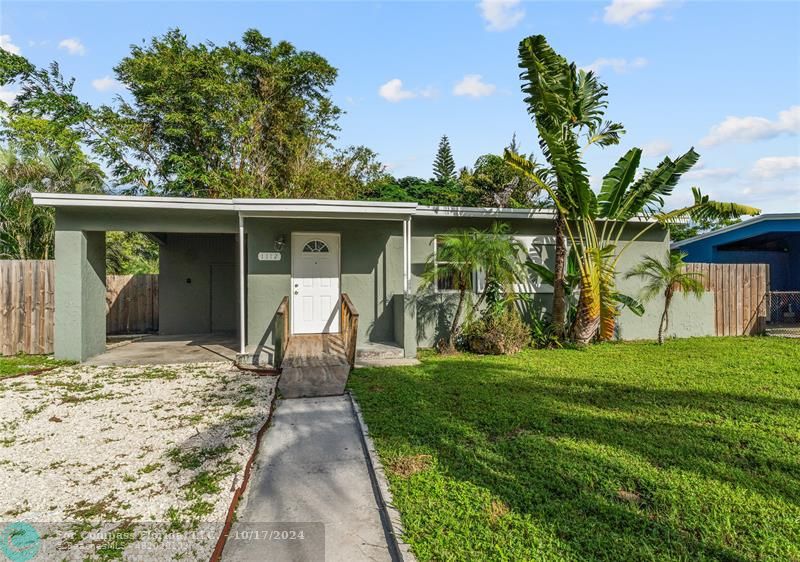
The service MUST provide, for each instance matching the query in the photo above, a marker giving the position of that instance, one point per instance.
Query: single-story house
(227, 265)
(773, 239)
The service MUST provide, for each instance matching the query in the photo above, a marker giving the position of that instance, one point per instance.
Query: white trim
(748, 222)
(128, 201)
(405, 256)
(408, 257)
(291, 278)
(477, 212)
(242, 303)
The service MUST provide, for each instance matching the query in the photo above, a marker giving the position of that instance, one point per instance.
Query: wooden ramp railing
(281, 331)
(349, 328)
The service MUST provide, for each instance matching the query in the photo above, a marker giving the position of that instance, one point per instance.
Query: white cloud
(474, 86)
(501, 15)
(700, 173)
(776, 166)
(429, 92)
(656, 148)
(747, 129)
(106, 83)
(7, 45)
(620, 66)
(73, 46)
(393, 91)
(624, 12)
(7, 96)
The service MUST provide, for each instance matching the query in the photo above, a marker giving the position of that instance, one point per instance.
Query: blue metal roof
(762, 224)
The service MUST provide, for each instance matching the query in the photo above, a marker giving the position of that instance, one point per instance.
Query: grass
(627, 451)
(18, 364)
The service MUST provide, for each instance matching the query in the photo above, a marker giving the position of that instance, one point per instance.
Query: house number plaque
(269, 256)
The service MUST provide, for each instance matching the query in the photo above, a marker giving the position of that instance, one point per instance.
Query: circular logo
(19, 542)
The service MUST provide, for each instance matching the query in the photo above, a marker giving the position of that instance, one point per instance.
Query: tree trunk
(664, 325)
(451, 339)
(559, 301)
(587, 320)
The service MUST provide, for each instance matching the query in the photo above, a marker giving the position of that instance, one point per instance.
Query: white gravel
(137, 450)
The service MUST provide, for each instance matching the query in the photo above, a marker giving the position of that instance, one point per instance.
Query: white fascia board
(478, 212)
(313, 207)
(130, 202)
(305, 214)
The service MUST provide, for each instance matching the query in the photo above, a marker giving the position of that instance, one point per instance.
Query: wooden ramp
(314, 365)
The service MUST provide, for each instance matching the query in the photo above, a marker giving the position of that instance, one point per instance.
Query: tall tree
(252, 118)
(567, 106)
(444, 167)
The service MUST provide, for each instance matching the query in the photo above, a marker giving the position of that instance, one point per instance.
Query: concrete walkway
(310, 476)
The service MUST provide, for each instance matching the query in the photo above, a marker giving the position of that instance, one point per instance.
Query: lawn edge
(32, 373)
(390, 516)
(216, 555)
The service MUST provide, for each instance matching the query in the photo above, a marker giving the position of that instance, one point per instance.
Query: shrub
(503, 333)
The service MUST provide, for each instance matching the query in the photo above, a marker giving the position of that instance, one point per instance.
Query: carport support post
(242, 273)
(80, 314)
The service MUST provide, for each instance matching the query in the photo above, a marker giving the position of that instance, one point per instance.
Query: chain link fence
(783, 313)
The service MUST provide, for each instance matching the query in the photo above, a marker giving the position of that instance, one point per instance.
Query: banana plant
(572, 288)
(596, 223)
(568, 107)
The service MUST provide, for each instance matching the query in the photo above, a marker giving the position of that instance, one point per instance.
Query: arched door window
(315, 247)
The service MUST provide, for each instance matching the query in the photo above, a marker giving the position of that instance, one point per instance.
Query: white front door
(315, 283)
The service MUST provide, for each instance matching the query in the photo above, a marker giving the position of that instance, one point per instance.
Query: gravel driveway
(138, 452)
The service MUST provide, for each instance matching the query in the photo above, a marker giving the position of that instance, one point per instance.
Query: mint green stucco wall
(189, 269)
(80, 299)
(371, 273)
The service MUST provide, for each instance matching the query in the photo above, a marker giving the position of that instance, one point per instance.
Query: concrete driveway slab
(311, 475)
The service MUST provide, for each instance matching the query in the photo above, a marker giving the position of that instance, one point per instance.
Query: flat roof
(738, 225)
(282, 207)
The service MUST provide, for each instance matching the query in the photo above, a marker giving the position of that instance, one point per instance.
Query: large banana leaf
(646, 195)
(616, 182)
(704, 208)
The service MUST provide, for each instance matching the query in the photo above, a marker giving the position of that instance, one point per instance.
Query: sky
(723, 77)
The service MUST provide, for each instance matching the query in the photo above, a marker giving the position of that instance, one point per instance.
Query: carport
(198, 263)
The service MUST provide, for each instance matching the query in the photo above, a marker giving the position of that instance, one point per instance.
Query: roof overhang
(738, 225)
(287, 208)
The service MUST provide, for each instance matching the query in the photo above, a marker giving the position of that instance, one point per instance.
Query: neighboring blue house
(771, 239)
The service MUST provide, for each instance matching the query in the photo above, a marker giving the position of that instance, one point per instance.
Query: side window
(444, 281)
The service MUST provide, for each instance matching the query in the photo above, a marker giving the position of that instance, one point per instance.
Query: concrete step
(373, 351)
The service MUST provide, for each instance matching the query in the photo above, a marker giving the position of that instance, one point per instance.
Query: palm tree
(666, 278)
(565, 103)
(26, 231)
(460, 256)
(500, 261)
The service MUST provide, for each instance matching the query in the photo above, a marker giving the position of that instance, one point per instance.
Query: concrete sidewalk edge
(401, 551)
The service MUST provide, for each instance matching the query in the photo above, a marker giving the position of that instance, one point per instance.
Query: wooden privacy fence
(27, 305)
(131, 304)
(740, 295)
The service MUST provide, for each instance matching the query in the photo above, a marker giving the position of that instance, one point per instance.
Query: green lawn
(16, 364)
(626, 451)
